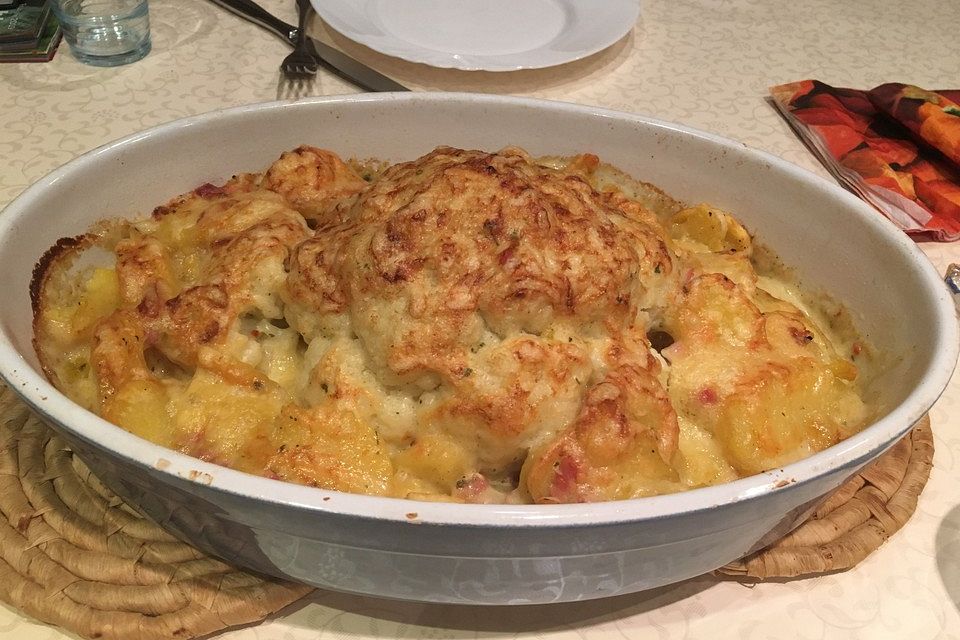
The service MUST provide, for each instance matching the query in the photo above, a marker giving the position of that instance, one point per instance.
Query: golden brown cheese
(467, 326)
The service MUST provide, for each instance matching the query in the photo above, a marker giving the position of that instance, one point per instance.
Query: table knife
(333, 59)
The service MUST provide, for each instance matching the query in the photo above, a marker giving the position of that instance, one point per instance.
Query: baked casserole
(468, 326)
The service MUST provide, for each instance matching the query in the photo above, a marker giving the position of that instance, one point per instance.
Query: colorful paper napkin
(897, 146)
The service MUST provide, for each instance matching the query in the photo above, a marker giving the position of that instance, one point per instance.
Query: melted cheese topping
(470, 326)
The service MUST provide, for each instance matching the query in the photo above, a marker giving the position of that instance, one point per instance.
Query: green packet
(22, 23)
(42, 50)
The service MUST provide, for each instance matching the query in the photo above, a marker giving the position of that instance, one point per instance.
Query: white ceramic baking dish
(482, 553)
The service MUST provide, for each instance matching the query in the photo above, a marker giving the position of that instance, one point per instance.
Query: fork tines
(303, 60)
(299, 64)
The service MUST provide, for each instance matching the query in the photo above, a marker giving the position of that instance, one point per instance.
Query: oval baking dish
(489, 554)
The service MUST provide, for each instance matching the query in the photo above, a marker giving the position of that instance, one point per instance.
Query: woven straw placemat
(854, 521)
(74, 555)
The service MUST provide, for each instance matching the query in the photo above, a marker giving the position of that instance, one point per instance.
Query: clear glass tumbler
(105, 33)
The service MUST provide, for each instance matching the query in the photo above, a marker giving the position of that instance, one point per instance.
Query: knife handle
(254, 12)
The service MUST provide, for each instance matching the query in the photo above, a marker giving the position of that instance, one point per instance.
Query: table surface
(703, 63)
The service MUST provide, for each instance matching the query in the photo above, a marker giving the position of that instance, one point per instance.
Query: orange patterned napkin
(897, 146)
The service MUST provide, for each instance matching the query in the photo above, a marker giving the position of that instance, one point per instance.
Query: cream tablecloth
(704, 63)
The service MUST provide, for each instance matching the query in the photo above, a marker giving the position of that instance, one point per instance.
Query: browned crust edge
(61, 250)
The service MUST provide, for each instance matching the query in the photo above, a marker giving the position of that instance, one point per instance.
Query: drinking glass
(105, 33)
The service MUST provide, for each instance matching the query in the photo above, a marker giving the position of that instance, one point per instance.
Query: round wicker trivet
(854, 521)
(73, 554)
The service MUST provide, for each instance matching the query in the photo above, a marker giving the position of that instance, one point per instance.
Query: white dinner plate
(487, 35)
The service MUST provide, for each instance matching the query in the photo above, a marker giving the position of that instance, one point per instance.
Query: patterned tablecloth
(704, 63)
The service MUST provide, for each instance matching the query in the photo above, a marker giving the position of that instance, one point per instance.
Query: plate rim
(411, 52)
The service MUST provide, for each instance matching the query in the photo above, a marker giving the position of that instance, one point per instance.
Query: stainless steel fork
(333, 59)
(303, 60)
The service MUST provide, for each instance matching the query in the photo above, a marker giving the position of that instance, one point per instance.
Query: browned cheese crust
(467, 326)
